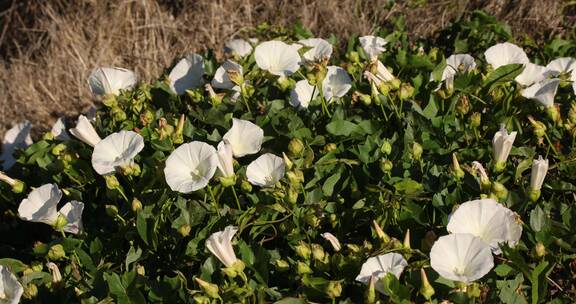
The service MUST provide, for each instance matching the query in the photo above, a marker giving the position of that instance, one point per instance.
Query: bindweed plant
(297, 171)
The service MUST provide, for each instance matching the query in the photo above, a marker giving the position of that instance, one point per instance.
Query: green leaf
(341, 128)
(502, 75)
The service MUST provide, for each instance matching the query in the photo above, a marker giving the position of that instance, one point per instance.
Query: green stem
(213, 199)
(236, 198)
(550, 144)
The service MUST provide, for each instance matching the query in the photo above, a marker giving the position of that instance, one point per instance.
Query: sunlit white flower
(531, 74)
(333, 240)
(220, 244)
(320, 49)
(539, 170)
(336, 83)
(502, 143)
(41, 205)
(225, 158)
(461, 257)
(372, 45)
(544, 92)
(72, 211)
(563, 65)
(10, 289)
(302, 94)
(187, 74)
(85, 132)
(238, 47)
(505, 53)
(245, 137)
(488, 220)
(110, 80)
(277, 57)
(379, 266)
(115, 151)
(191, 166)
(457, 63)
(222, 76)
(18, 137)
(266, 170)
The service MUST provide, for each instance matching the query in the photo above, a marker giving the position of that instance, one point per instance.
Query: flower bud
(303, 268)
(184, 230)
(370, 297)
(499, 191)
(31, 291)
(141, 270)
(396, 84)
(112, 182)
(136, 205)
(386, 147)
(312, 220)
(475, 120)
(539, 170)
(380, 233)
(333, 289)
(292, 196)
(235, 269)
(36, 266)
(246, 186)
(118, 114)
(228, 181)
(303, 250)
(289, 164)
(285, 83)
(553, 113)
(426, 288)
(61, 221)
(295, 177)
(406, 91)
(282, 265)
(318, 252)
(416, 151)
(484, 180)
(353, 57)
(210, 289)
(56, 276)
(111, 210)
(539, 127)
(56, 252)
(58, 149)
(540, 250)
(572, 113)
(333, 240)
(17, 185)
(329, 147)
(386, 165)
(48, 136)
(146, 117)
(456, 169)
(296, 147)
(406, 243)
(463, 105)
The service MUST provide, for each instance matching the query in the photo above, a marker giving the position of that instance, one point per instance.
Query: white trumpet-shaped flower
(379, 266)
(115, 151)
(187, 74)
(59, 130)
(544, 92)
(333, 240)
(539, 170)
(505, 53)
(372, 45)
(18, 137)
(457, 63)
(222, 79)
(10, 289)
(85, 132)
(502, 143)
(336, 83)
(488, 220)
(238, 47)
(110, 80)
(41, 205)
(220, 245)
(531, 74)
(225, 158)
(191, 166)
(245, 137)
(302, 94)
(461, 257)
(277, 57)
(563, 65)
(72, 211)
(378, 75)
(266, 170)
(320, 49)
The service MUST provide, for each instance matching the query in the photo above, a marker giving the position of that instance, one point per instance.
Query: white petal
(544, 91)
(245, 137)
(220, 245)
(85, 132)
(110, 80)
(333, 240)
(117, 149)
(10, 287)
(532, 73)
(320, 49)
(562, 65)
(239, 47)
(379, 266)
(336, 83)
(502, 143)
(59, 130)
(225, 157)
(73, 213)
(505, 53)
(302, 94)
(41, 205)
(266, 170)
(18, 137)
(455, 64)
(221, 79)
(373, 46)
(277, 57)
(191, 166)
(187, 74)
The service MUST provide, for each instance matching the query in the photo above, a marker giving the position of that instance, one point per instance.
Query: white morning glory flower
(488, 220)
(104, 80)
(222, 78)
(531, 74)
(302, 94)
(191, 166)
(379, 266)
(457, 63)
(238, 47)
(502, 143)
(266, 170)
(225, 158)
(245, 137)
(116, 150)
(220, 245)
(378, 74)
(372, 45)
(277, 57)
(187, 74)
(544, 92)
(563, 65)
(336, 83)
(505, 53)
(18, 137)
(59, 130)
(333, 240)
(72, 211)
(10, 289)
(461, 257)
(539, 170)
(41, 205)
(85, 132)
(320, 49)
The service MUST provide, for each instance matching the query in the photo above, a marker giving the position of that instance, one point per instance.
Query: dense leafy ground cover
(306, 173)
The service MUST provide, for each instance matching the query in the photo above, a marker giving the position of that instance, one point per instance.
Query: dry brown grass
(49, 47)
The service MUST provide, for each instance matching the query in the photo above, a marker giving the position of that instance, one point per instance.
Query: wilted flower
(115, 151)
(539, 170)
(225, 159)
(372, 45)
(502, 143)
(187, 74)
(238, 47)
(320, 49)
(505, 53)
(378, 73)
(18, 137)
(457, 63)
(563, 65)
(266, 170)
(85, 132)
(543, 92)
(333, 240)
(379, 266)
(59, 130)
(220, 244)
(461, 257)
(488, 220)
(531, 74)
(302, 94)
(245, 137)
(104, 80)
(277, 57)
(191, 166)
(336, 83)
(222, 76)
(72, 211)
(56, 275)
(41, 205)
(10, 289)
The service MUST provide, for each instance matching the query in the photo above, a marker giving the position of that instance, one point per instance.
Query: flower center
(268, 179)
(459, 271)
(195, 173)
(3, 295)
